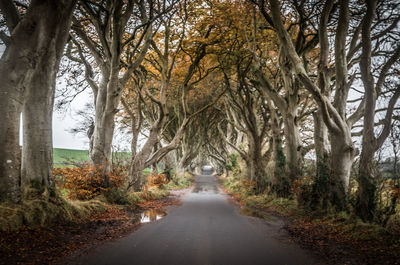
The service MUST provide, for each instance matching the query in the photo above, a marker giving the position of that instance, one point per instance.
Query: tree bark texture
(343, 150)
(320, 189)
(50, 33)
(111, 26)
(292, 147)
(27, 72)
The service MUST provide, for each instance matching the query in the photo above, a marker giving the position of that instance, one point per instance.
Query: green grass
(245, 193)
(46, 211)
(63, 157)
(178, 183)
(146, 171)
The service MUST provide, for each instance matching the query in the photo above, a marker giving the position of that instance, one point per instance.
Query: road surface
(207, 229)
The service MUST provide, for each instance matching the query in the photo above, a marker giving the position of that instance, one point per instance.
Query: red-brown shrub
(156, 180)
(84, 183)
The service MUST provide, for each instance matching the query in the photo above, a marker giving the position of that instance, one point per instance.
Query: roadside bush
(393, 225)
(232, 161)
(117, 196)
(152, 193)
(85, 183)
(134, 198)
(178, 182)
(243, 191)
(156, 180)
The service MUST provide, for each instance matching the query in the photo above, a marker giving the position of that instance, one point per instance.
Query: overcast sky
(63, 122)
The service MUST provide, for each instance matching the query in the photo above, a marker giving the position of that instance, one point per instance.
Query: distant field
(61, 157)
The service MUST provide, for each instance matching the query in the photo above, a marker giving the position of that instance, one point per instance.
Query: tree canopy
(278, 92)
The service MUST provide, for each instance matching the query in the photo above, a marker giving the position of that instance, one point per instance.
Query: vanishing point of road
(207, 229)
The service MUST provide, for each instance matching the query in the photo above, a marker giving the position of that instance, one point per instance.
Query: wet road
(207, 229)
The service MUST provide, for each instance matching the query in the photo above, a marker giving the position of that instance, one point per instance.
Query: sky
(63, 122)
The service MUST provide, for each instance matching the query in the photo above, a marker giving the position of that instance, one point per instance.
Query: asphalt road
(207, 229)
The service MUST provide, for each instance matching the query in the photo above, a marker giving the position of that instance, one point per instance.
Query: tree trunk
(37, 151)
(10, 152)
(260, 176)
(281, 184)
(138, 163)
(135, 138)
(180, 166)
(154, 169)
(136, 174)
(292, 148)
(255, 164)
(184, 159)
(250, 169)
(37, 45)
(366, 201)
(169, 162)
(320, 189)
(101, 141)
(13, 68)
(342, 157)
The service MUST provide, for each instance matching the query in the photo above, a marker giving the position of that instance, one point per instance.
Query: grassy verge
(335, 236)
(47, 211)
(244, 193)
(179, 182)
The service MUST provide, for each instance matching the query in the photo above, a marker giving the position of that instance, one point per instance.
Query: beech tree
(336, 74)
(366, 204)
(334, 114)
(111, 39)
(247, 111)
(28, 68)
(172, 69)
(272, 74)
(195, 135)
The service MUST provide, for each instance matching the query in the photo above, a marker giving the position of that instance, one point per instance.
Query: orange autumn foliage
(299, 184)
(156, 180)
(395, 189)
(84, 183)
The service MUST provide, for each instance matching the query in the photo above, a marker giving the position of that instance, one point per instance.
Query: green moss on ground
(179, 182)
(46, 211)
(245, 194)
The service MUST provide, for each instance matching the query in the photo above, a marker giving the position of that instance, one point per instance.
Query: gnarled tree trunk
(13, 67)
(101, 139)
(292, 147)
(343, 153)
(320, 189)
(367, 201)
(28, 71)
(50, 35)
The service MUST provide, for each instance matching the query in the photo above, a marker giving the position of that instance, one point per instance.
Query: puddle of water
(152, 215)
(256, 213)
(205, 188)
(148, 216)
